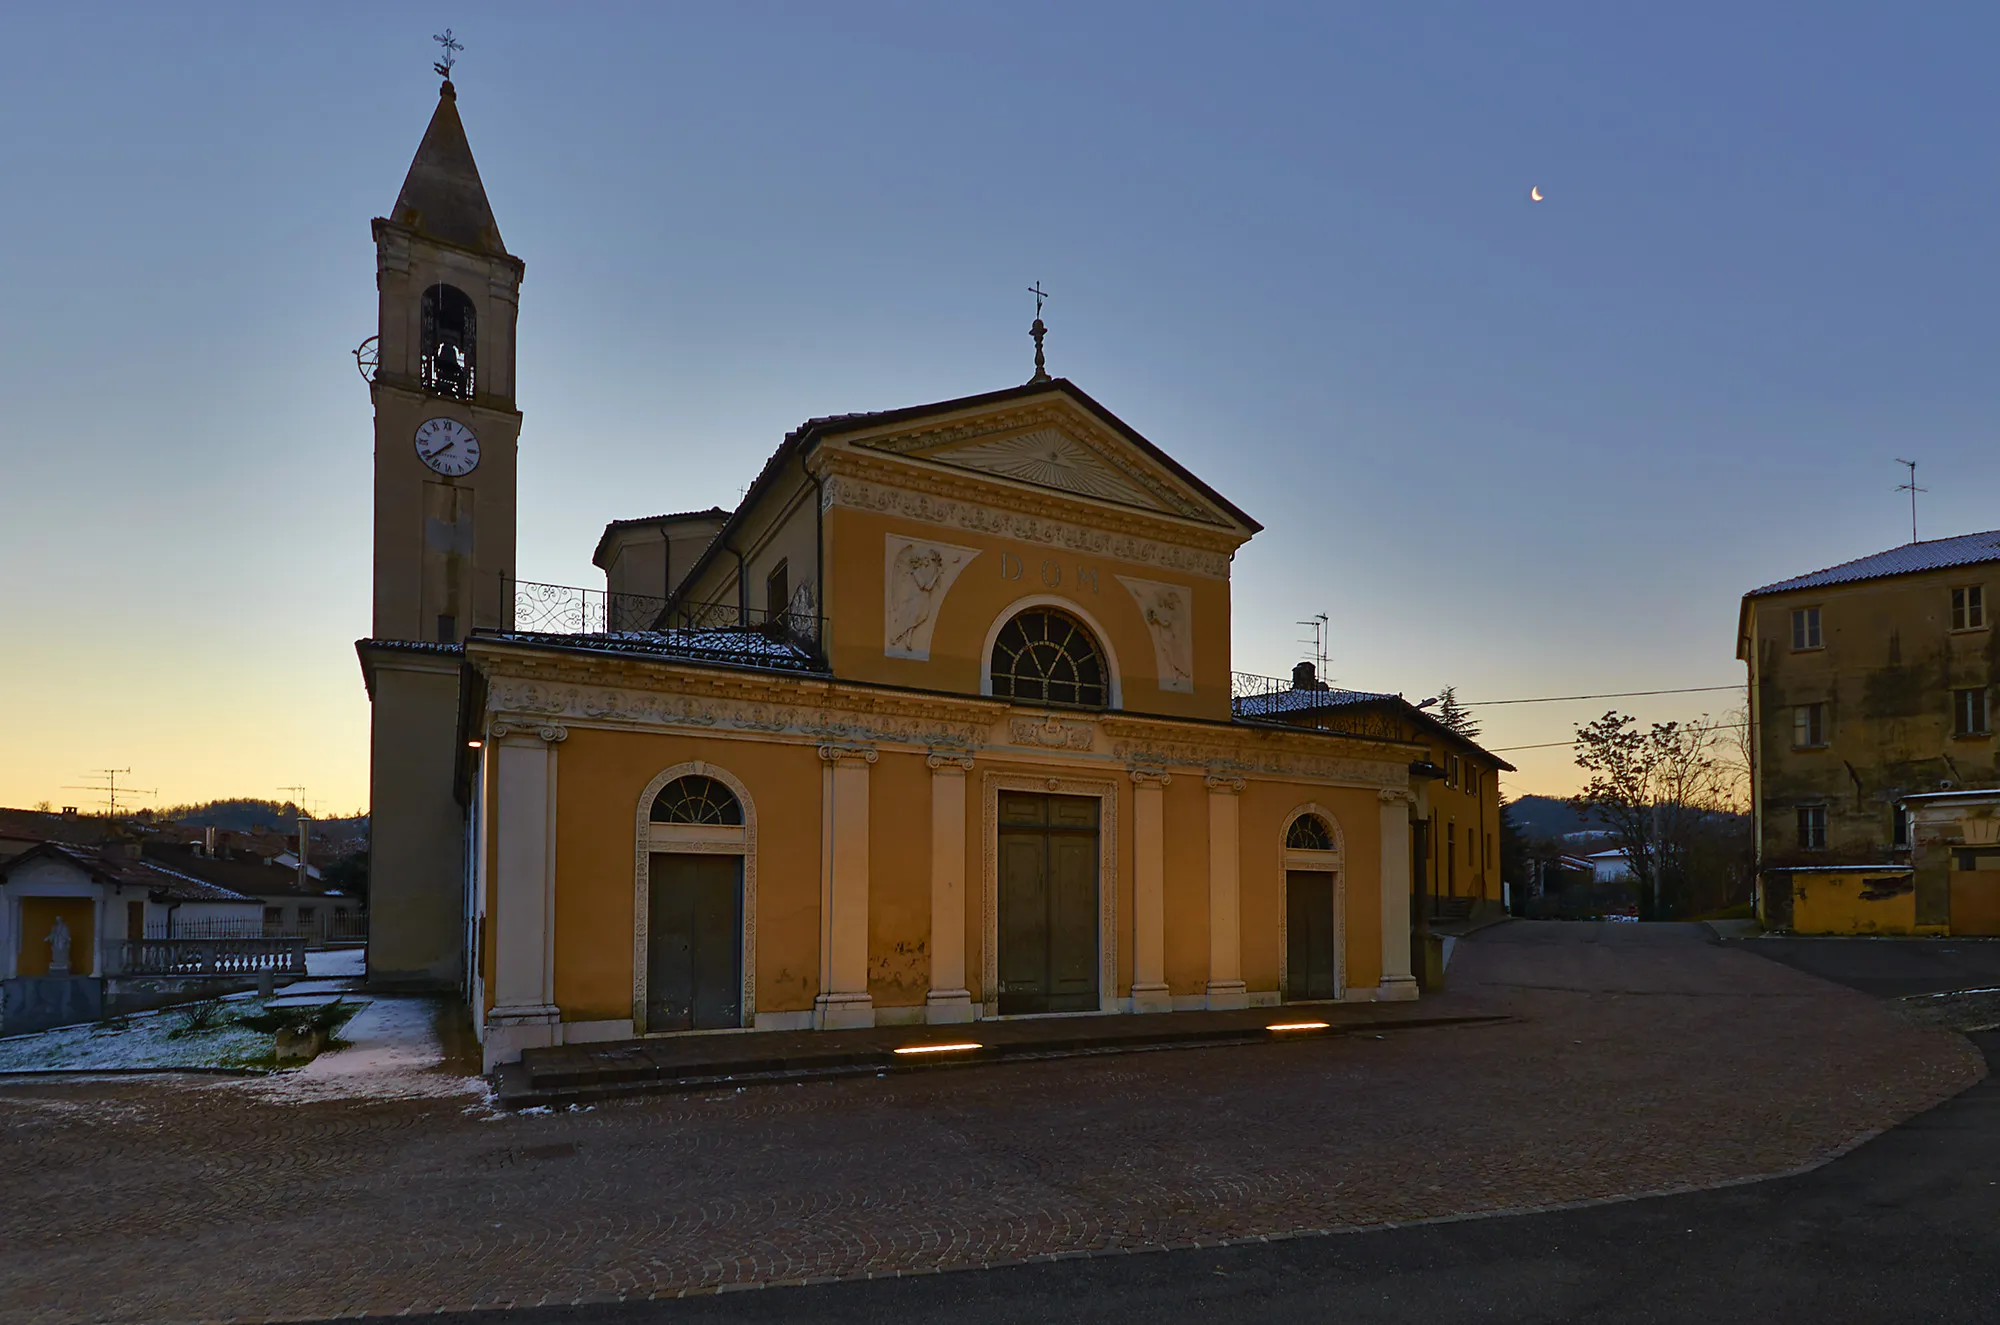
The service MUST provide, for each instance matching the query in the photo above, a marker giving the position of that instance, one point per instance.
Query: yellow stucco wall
(38, 917)
(601, 775)
(1975, 902)
(1004, 572)
(1848, 902)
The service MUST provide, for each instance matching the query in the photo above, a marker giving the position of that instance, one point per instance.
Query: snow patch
(392, 1052)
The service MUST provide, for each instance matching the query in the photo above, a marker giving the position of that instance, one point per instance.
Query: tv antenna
(1316, 642)
(109, 788)
(1911, 488)
(306, 808)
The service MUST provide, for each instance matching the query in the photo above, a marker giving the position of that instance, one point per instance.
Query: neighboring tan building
(1457, 782)
(1870, 684)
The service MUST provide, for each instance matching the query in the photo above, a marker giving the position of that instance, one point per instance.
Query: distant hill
(1546, 816)
(243, 816)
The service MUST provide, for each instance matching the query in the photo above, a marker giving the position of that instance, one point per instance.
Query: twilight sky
(1526, 449)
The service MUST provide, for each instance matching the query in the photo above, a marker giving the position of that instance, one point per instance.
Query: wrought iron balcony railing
(717, 631)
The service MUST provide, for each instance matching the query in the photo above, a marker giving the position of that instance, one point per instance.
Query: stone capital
(549, 732)
(951, 765)
(1395, 795)
(833, 754)
(1152, 777)
(1227, 786)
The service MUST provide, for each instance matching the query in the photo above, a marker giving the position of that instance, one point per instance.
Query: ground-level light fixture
(1300, 1026)
(938, 1048)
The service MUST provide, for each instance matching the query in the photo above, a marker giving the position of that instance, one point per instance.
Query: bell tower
(446, 428)
(445, 442)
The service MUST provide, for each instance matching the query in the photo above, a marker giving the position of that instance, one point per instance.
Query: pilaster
(524, 1014)
(1225, 916)
(1398, 984)
(843, 1000)
(949, 1000)
(1149, 891)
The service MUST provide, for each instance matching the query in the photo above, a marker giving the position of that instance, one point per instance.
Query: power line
(1616, 694)
(1547, 745)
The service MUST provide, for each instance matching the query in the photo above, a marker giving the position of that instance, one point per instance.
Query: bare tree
(1656, 789)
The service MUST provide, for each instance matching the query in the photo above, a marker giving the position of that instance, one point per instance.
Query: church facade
(937, 725)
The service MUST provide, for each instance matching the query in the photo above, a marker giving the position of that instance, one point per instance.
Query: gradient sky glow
(1526, 449)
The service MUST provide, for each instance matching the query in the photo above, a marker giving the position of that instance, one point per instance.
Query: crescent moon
(1534, 195)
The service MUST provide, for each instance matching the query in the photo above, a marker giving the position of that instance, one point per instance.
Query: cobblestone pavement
(1644, 1059)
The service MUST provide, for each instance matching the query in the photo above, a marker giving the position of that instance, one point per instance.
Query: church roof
(715, 647)
(442, 196)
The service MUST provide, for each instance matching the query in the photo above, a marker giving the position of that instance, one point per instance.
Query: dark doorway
(1311, 952)
(1048, 903)
(694, 943)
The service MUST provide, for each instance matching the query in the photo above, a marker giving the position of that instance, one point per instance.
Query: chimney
(208, 841)
(1306, 677)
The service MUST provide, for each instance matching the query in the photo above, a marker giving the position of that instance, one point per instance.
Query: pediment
(1054, 443)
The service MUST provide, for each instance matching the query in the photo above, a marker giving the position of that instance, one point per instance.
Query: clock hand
(446, 447)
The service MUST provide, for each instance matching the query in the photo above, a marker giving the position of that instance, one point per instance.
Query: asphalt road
(1904, 1228)
(1890, 968)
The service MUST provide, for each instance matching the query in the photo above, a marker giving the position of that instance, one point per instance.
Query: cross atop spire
(1038, 331)
(452, 46)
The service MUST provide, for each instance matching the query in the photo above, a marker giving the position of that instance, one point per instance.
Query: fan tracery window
(1046, 656)
(1309, 832)
(696, 799)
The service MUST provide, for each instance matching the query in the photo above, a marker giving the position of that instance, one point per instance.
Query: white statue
(59, 947)
(916, 577)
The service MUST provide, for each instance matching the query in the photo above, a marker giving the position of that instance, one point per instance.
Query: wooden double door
(1048, 899)
(694, 942)
(1312, 938)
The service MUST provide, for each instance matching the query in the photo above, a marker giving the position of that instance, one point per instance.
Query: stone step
(584, 1074)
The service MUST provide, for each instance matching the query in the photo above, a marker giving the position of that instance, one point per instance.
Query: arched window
(696, 799)
(1046, 656)
(1309, 833)
(450, 342)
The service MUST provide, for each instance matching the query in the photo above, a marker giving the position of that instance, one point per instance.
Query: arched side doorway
(1312, 947)
(694, 940)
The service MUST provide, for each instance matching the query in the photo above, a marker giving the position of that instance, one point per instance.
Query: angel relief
(916, 577)
(1166, 610)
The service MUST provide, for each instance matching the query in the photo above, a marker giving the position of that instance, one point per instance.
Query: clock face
(448, 446)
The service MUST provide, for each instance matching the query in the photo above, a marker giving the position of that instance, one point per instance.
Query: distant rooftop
(1934, 554)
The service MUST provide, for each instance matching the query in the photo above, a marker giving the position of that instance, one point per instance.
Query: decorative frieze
(1051, 733)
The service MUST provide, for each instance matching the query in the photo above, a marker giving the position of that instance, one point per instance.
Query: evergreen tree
(1455, 715)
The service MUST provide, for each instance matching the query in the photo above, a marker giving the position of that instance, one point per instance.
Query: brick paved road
(1645, 1059)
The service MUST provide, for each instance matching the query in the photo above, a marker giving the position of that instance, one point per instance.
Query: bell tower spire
(446, 425)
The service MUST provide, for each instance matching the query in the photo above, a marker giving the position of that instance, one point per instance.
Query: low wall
(43, 1002)
(1851, 901)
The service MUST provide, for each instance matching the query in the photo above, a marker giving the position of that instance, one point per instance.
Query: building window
(274, 915)
(1899, 826)
(1451, 771)
(1968, 607)
(697, 800)
(1969, 713)
(1805, 628)
(1471, 779)
(1812, 827)
(306, 914)
(1309, 833)
(1808, 726)
(1045, 656)
(777, 592)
